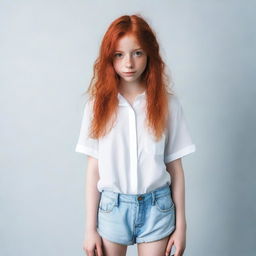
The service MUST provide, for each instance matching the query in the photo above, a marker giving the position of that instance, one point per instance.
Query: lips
(129, 73)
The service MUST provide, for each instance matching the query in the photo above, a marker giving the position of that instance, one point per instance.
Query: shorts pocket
(164, 203)
(154, 147)
(106, 204)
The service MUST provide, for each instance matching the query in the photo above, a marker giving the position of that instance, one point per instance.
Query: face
(129, 57)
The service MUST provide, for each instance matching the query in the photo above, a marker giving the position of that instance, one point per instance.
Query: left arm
(178, 238)
(178, 191)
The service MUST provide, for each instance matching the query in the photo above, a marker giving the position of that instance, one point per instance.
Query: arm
(178, 238)
(178, 191)
(92, 194)
(92, 242)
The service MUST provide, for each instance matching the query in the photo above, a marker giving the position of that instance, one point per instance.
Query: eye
(139, 53)
(117, 55)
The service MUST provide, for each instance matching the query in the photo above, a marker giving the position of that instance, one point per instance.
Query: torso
(131, 97)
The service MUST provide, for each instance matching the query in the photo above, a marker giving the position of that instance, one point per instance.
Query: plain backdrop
(47, 51)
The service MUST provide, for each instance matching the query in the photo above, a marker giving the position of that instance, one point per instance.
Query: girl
(134, 133)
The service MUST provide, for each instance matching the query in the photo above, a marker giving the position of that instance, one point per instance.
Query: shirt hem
(185, 151)
(85, 150)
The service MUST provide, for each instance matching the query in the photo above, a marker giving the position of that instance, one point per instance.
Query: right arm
(92, 195)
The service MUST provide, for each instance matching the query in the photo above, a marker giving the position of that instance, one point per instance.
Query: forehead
(127, 42)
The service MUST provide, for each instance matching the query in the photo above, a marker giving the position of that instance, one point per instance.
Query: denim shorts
(128, 218)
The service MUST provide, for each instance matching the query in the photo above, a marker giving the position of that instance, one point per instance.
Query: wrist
(181, 225)
(90, 229)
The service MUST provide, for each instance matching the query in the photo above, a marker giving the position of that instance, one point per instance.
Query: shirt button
(140, 198)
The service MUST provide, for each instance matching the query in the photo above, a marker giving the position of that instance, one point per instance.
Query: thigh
(113, 249)
(156, 248)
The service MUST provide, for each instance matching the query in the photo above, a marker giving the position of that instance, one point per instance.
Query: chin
(130, 79)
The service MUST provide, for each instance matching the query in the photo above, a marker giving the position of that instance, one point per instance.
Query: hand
(177, 238)
(92, 244)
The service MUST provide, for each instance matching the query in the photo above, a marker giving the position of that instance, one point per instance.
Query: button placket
(133, 149)
(133, 138)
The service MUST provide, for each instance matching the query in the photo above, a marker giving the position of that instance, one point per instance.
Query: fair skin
(130, 57)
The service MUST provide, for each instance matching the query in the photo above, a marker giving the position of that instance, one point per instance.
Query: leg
(113, 249)
(156, 248)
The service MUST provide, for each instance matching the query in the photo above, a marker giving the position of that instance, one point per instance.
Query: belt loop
(153, 197)
(117, 199)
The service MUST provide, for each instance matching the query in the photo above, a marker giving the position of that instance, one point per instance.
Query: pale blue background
(47, 49)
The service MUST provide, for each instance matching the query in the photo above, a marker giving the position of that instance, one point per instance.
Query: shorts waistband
(138, 198)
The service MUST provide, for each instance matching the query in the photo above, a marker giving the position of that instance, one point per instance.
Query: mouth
(129, 73)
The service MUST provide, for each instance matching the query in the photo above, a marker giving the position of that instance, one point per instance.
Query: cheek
(143, 63)
(116, 66)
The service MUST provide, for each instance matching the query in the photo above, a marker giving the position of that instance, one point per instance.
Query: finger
(169, 247)
(178, 252)
(98, 250)
(90, 253)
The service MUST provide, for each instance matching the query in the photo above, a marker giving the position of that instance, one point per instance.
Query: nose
(128, 61)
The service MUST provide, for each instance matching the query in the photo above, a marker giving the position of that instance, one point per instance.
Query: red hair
(103, 88)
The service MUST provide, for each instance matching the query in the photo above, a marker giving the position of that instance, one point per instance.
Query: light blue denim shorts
(128, 219)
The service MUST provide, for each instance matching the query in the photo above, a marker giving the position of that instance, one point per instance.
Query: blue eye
(117, 55)
(140, 53)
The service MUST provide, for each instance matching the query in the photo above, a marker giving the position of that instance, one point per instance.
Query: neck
(132, 88)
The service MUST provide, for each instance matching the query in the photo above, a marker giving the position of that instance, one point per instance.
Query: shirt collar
(124, 102)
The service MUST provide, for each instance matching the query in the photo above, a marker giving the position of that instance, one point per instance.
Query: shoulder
(88, 106)
(173, 102)
(87, 109)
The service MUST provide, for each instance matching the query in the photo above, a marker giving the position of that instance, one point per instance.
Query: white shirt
(129, 160)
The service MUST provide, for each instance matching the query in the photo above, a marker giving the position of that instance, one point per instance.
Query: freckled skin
(129, 57)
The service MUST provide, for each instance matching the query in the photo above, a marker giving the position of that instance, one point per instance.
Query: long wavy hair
(104, 85)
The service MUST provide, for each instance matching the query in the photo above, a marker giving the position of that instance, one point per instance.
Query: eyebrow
(133, 50)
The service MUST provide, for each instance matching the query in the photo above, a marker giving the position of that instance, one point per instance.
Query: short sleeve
(179, 142)
(86, 144)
